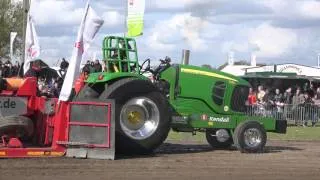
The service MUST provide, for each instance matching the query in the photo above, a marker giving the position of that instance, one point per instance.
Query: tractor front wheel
(250, 137)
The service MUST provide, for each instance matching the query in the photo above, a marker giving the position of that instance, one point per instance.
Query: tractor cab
(120, 54)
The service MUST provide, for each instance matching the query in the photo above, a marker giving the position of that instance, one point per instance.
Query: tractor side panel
(193, 113)
(268, 123)
(198, 115)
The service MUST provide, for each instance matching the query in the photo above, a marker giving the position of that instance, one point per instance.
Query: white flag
(13, 36)
(89, 27)
(32, 47)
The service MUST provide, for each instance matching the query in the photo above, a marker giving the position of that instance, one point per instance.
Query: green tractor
(183, 98)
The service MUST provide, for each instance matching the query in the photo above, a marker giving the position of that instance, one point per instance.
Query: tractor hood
(202, 71)
(222, 93)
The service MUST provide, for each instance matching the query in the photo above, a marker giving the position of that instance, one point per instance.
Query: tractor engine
(163, 86)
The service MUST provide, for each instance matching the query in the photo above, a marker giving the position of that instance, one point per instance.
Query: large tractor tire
(219, 138)
(142, 115)
(16, 126)
(86, 93)
(250, 137)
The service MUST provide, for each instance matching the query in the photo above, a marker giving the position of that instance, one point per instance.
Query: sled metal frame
(60, 137)
(104, 150)
(107, 124)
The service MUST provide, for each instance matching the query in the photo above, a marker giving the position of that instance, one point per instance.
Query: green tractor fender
(96, 83)
(104, 77)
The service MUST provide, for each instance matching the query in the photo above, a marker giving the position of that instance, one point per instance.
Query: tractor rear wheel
(142, 115)
(219, 138)
(87, 93)
(250, 137)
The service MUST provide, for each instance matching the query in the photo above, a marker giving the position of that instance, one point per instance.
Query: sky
(286, 31)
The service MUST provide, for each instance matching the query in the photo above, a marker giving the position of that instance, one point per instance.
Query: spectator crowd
(49, 80)
(303, 103)
(52, 87)
(92, 67)
(7, 69)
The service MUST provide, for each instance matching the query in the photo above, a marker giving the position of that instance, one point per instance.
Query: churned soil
(178, 160)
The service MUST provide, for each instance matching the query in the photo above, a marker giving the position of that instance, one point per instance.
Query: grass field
(293, 133)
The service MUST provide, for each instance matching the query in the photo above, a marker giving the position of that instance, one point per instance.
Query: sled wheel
(16, 126)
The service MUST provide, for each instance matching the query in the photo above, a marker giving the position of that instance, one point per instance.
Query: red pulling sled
(37, 126)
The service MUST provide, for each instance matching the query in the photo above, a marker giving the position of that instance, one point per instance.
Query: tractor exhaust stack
(185, 56)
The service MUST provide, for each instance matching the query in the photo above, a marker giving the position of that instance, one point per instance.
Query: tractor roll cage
(120, 54)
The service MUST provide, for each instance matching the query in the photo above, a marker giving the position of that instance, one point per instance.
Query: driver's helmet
(121, 43)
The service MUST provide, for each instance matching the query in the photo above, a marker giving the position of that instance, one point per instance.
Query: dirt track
(282, 160)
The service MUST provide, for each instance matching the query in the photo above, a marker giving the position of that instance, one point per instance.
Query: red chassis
(60, 128)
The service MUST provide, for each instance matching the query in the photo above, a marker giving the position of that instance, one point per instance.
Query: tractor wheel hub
(134, 117)
(139, 118)
(222, 135)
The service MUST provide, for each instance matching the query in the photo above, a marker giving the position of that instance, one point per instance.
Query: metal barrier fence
(294, 114)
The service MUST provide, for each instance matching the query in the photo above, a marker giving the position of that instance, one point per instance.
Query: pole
(185, 56)
(318, 60)
(126, 18)
(26, 7)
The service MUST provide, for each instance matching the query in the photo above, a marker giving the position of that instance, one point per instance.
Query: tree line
(11, 20)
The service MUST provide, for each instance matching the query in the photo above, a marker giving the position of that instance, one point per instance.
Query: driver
(122, 56)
